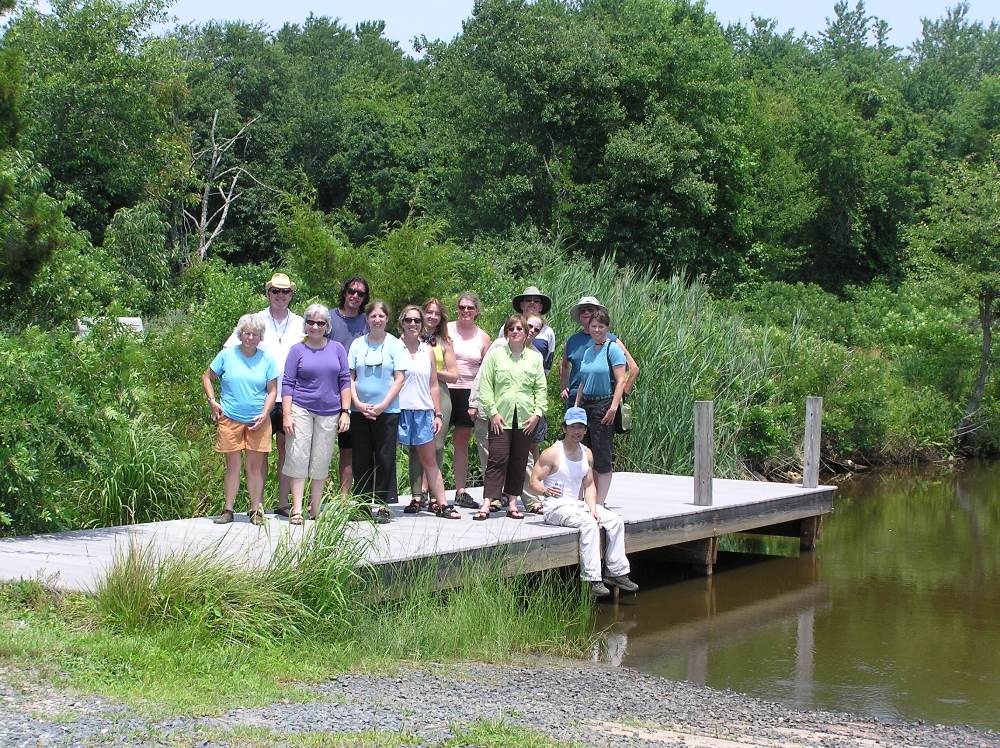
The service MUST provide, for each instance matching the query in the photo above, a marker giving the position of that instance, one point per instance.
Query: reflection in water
(897, 614)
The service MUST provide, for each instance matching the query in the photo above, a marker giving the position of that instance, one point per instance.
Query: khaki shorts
(308, 453)
(233, 436)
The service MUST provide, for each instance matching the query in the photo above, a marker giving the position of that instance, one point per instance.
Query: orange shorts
(233, 436)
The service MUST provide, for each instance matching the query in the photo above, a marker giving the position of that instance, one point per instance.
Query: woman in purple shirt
(316, 402)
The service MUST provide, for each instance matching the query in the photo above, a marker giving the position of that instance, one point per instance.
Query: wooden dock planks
(658, 510)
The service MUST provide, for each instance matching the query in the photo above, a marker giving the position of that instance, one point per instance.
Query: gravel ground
(590, 704)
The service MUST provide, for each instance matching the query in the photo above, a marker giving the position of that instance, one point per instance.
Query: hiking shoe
(597, 589)
(622, 583)
(382, 516)
(225, 518)
(256, 518)
(465, 501)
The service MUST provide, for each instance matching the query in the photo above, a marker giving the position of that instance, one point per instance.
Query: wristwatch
(439, 415)
(345, 411)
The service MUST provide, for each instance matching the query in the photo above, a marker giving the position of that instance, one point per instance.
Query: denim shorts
(415, 427)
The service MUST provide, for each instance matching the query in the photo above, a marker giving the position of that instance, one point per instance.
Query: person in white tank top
(562, 475)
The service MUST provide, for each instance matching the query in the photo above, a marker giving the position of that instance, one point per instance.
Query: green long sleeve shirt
(507, 384)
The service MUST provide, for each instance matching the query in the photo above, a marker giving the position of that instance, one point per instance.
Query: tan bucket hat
(279, 280)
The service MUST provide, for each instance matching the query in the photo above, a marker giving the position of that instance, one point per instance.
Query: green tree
(93, 108)
(959, 234)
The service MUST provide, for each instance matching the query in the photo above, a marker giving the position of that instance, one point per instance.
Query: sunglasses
(412, 321)
(356, 292)
(280, 291)
(316, 322)
(534, 328)
(466, 308)
(516, 328)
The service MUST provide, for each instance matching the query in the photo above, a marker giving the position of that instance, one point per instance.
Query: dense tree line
(639, 127)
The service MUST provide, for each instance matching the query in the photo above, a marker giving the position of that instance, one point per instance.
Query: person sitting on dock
(565, 472)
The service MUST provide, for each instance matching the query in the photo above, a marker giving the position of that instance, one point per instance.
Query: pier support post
(704, 451)
(810, 451)
(698, 555)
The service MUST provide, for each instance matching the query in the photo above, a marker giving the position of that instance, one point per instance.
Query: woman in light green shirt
(512, 395)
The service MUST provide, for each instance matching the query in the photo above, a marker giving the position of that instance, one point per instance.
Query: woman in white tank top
(420, 410)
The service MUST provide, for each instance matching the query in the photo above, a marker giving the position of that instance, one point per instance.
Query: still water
(896, 614)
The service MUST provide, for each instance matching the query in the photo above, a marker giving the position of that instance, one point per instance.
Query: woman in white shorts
(316, 402)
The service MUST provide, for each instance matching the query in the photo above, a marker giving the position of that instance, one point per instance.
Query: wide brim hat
(585, 301)
(531, 291)
(279, 280)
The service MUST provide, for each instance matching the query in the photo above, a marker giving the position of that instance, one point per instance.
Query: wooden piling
(810, 451)
(704, 451)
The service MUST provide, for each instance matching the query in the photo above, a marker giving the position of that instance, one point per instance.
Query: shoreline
(569, 702)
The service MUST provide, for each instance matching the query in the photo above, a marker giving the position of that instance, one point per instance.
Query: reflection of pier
(693, 621)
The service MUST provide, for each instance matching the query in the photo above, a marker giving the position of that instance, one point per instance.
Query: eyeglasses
(316, 322)
(534, 328)
(412, 321)
(280, 291)
(516, 328)
(356, 292)
(466, 308)
(251, 333)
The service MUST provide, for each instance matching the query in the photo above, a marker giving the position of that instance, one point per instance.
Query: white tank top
(416, 393)
(568, 476)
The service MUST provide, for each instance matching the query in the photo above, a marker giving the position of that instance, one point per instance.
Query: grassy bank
(193, 633)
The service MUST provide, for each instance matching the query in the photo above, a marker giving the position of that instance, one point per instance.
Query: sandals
(256, 517)
(465, 501)
(382, 516)
(296, 519)
(413, 507)
(444, 511)
(225, 518)
(496, 505)
(514, 514)
(481, 515)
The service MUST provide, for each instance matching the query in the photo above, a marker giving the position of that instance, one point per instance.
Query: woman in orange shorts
(249, 386)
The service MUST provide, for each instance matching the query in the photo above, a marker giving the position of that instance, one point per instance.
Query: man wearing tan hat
(283, 330)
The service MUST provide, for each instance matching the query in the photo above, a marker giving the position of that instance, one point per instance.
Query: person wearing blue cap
(562, 475)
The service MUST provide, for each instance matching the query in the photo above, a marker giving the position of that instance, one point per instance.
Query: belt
(595, 398)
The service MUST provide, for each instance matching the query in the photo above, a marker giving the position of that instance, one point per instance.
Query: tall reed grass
(687, 348)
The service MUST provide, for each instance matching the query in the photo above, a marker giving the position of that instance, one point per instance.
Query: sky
(442, 19)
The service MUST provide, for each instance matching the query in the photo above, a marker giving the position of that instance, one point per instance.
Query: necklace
(281, 331)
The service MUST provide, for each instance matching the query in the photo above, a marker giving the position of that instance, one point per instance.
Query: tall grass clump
(486, 615)
(316, 589)
(687, 349)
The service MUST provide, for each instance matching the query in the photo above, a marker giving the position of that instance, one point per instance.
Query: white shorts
(308, 453)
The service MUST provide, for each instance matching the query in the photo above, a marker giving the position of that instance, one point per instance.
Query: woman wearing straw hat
(533, 301)
(569, 368)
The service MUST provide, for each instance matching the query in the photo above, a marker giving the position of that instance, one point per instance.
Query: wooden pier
(659, 511)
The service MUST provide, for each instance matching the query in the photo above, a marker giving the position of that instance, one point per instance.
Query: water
(896, 615)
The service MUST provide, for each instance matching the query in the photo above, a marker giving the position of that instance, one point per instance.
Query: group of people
(339, 375)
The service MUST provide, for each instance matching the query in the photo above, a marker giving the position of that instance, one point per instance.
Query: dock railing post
(704, 451)
(810, 451)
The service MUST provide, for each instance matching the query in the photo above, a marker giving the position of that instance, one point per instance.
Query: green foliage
(91, 108)
(136, 241)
